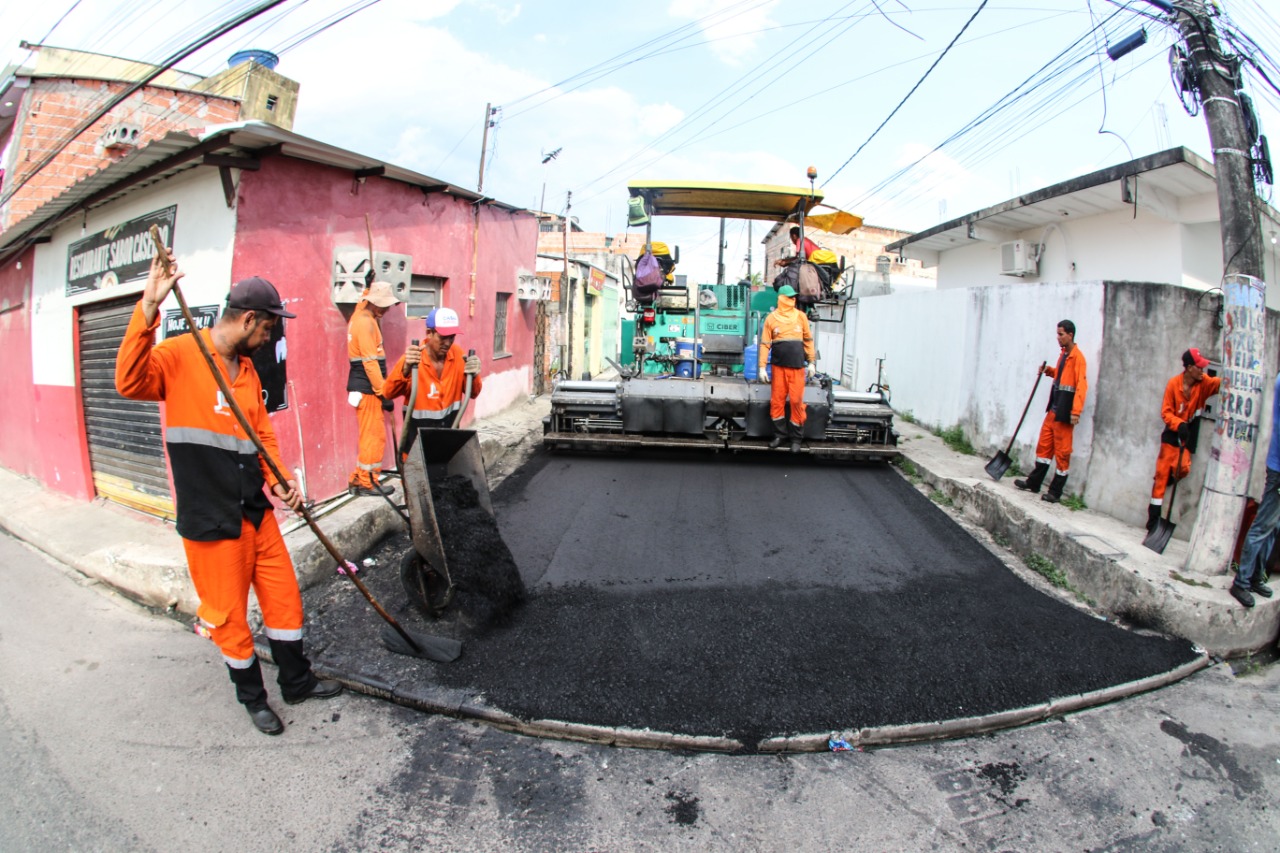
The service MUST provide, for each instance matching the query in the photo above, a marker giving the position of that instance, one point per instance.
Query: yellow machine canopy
(738, 201)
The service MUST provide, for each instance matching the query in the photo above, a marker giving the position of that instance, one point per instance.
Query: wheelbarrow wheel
(424, 586)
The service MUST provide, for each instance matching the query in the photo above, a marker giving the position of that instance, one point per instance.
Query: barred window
(500, 324)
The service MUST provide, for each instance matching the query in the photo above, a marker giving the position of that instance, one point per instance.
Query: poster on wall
(596, 281)
(120, 254)
(268, 360)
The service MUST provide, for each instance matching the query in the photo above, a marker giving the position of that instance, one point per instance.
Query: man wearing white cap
(365, 386)
(443, 370)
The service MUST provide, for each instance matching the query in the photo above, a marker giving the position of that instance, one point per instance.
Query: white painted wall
(204, 232)
(969, 356)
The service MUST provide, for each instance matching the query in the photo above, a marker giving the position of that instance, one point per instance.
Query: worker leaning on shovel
(442, 373)
(1184, 399)
(365, 387)
(226, 522)
(787, 335)
(1066, 401)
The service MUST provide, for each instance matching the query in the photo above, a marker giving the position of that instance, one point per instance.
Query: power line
(947, 50)
(87, 123)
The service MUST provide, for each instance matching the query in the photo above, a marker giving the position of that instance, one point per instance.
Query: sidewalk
(1101, 558)
(142, 556)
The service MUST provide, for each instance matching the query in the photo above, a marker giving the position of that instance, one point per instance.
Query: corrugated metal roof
(177, 152)
(1167, 177)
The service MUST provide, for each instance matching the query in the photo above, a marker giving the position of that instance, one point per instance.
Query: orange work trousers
(223, 572)
(787, 382)
(1166, 462)
(373, 441)
(1055, 443)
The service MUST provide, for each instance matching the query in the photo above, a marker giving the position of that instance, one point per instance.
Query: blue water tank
(686, 363)
(265, 58)
(750, 367)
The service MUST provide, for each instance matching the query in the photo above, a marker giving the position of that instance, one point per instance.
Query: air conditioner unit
(1019, 258)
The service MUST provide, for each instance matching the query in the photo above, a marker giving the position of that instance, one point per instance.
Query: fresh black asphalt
(750, 597)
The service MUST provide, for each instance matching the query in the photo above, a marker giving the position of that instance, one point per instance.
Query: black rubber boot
(797, 433)
(779, 433)
(297, 682)
(253, 696)
(1153, 516)
(1032, 483)
(1054, 493)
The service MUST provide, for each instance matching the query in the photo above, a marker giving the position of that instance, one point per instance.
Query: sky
(1022, 95)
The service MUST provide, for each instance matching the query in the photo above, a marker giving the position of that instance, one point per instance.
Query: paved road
(746, 598)
(118, 732)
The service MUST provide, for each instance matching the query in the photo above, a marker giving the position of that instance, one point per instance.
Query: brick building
(45, 101)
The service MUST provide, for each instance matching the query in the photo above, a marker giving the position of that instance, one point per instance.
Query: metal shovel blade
(1160, 535)
(999, 464)
(438, 453)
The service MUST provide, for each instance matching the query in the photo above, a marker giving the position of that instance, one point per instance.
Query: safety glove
(471, 366)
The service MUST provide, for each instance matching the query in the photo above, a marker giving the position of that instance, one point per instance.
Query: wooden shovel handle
(225, 387)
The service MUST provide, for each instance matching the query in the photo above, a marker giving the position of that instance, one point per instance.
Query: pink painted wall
(41, 426)
(292, 215)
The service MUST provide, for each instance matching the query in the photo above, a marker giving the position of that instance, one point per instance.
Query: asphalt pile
(672, 595)
(488, 584)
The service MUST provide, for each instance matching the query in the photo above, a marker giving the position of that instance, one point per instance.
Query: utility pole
(484, 143)
(1237, 435)
(566, 295)
(720, 264)
(748, 250)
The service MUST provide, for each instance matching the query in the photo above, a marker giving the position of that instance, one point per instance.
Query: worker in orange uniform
(365, 387)
(442, 373)
(1066, 401)
(786, 334)
(226, 522)
(1184, 399)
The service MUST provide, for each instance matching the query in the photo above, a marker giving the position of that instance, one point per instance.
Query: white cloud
(731, 31)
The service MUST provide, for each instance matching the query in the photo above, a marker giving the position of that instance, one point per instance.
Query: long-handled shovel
(402, 641)
(1160, 535)
(1001, 461)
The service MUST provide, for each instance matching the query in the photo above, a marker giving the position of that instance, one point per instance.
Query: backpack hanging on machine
(648, 276)
(809, 289)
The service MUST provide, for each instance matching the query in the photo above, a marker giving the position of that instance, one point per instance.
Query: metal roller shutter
(126, 445)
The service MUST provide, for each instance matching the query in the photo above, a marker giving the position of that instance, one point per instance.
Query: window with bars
(500, 324)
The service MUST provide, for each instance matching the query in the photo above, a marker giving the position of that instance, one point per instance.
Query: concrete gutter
(1103, 559)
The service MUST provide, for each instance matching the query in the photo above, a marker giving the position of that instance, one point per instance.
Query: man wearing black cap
(1184, 399)
(227, 524)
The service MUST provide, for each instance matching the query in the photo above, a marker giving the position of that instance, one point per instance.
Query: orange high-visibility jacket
(786, 332)
(1072, 378)
(439, 396)
(364, 349)
(217, 474)
(1179, 407)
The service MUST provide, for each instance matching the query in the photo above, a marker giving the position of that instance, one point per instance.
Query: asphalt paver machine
(689, 355)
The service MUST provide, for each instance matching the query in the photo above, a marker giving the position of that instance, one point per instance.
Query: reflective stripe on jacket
(217, 474)
(439, 395)
(1178, 407)
(786, 332)
(364, 350)
(1072, 379)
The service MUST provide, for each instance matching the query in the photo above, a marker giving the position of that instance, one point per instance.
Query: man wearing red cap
(1184, 399)
(365, 386)
(442, 372)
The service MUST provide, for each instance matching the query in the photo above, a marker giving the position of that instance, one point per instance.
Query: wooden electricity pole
(484, 144)
(1237, 435)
